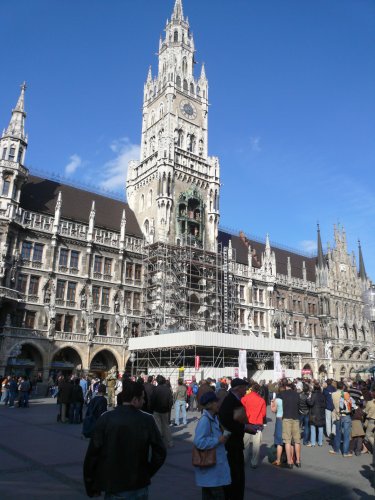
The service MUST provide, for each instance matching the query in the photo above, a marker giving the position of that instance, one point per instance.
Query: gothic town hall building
(86, 279)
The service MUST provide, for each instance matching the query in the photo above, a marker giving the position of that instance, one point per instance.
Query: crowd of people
(16, 391)
(231, 416)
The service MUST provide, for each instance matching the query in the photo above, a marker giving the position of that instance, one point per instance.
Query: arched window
(152, 117)
(12, 153)
(161, 110)
(191, 143)
(186, 85)
(179, 138)
(178, 82)
(175, 36)
(149, 198)
(4, 153)
(142, 202)
(192, 89)
(184, 66)
(201, 147)
(147, 227)
(198, 90)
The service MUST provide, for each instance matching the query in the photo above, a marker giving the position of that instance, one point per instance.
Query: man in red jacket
(256, 410)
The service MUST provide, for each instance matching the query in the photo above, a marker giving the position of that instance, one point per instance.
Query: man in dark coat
(161, 403)
(64, 398)
(149, 389)
(234, 445)
(126, 449)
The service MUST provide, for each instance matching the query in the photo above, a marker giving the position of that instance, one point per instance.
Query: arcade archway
(102, 362)
(66, 360)
(25, 359)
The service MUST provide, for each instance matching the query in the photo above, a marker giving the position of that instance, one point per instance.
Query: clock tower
(174, 189)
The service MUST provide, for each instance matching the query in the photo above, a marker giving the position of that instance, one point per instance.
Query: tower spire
(320, 251)
(178, 13)
(16, 127)
(362, 270)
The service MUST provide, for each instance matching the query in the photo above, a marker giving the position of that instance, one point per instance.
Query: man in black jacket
(118, 460)
(161, 403)
(234, 445)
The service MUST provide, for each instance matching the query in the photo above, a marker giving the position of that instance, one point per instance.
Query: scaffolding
(188, 288)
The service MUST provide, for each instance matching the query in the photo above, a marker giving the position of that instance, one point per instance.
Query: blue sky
(292, 113)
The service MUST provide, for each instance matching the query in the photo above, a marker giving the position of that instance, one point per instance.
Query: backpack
(195, 389)
(345, 404)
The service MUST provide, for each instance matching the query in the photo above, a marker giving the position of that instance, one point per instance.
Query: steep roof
(239, 244)
(40, 195)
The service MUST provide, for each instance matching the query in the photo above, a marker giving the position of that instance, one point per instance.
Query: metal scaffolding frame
(188, 288)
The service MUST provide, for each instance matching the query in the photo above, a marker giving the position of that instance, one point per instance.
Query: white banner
(277, 370)
(242, 363)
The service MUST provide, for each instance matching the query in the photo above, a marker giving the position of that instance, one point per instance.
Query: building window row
(66, 293)
(68, 259)
(32, 252)
(133, 271)
(24, 319)
(28, 285)
(102, 266)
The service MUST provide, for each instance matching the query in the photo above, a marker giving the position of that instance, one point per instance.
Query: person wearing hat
(208, 435)
(234, 446)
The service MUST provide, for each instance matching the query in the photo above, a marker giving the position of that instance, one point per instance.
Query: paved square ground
(41, 459)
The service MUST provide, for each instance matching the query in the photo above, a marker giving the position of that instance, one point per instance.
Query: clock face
(188, 110)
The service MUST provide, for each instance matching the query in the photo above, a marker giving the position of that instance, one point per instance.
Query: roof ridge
(89, 188)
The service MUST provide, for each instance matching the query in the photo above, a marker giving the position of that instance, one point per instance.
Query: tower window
(178, 82)
(4, 153)
(12, 153)
(19, 157)
(184, 66)
(186, 85)
(6, 186)
(175, 36)
(192, 90)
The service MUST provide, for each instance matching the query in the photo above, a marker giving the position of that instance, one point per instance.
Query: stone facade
(81, 273)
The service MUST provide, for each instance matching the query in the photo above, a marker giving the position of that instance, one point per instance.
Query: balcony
(63, 269)
(73, 270)
(105, 339)
(98, 276)
(74, 337)
(10, 293)
(36, 264)
(70, 303)
(33, 298)
(60, 302)
(105, 308)
(31, 333)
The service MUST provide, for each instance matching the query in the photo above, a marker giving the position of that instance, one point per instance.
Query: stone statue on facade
(315, 351)
(328, 349)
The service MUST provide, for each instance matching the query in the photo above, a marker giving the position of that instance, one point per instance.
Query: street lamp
(132, 359)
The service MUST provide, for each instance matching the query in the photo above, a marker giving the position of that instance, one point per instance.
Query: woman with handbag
(209, 455)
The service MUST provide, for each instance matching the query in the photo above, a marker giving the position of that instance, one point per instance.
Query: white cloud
(308, 245)
(115, 170)
(255, 144)
(74, 163)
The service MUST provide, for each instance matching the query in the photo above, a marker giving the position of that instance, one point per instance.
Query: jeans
(74, 413)
(141, 494)
(343, 426)
(330, 428)
(304, 420)
(12, 397)
(24, 399)
(5, 396)
(180, 405)
(313, 435)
